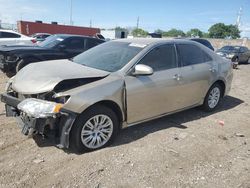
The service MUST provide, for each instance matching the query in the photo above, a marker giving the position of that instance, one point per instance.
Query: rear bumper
(59, 126)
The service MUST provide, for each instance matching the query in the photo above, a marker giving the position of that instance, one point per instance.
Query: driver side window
(161, 58)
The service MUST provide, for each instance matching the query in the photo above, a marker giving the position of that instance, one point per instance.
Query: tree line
(219, 30)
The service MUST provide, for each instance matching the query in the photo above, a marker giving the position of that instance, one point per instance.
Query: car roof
(41, 34)
(71, 35)
(7, 30)
(149, 41)
(233, 46)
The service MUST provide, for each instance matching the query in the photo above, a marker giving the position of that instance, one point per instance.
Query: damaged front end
(40, 117)
(43, 114)
(35, 97)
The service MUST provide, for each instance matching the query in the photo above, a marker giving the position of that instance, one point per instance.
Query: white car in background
(9, 37)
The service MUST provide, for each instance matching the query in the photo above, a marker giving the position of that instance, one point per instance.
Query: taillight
(33, 40)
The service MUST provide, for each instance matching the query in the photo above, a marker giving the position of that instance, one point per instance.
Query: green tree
(159, 31)
(194, 33)
(233, 31)
(173, 33)
(205, 35)
(220, 30)
(139, 33)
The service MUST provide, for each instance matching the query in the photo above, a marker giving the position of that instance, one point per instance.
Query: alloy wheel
(97, 131)
(214, 97)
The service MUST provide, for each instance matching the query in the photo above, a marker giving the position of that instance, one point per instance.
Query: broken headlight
(61, 99)
(39, 108)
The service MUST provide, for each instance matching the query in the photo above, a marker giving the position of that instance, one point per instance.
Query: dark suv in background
(205, 42)
(60, 46)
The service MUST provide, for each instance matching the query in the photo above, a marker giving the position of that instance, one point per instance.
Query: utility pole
(90, 23)
(137, 24)
(238, 21)
(70, 19)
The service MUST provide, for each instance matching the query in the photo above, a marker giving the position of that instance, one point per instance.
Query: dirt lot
(188, 149)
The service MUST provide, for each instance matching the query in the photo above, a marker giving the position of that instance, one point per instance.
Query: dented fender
(111, 88)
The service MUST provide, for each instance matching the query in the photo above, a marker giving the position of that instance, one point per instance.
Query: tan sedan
(86, 100)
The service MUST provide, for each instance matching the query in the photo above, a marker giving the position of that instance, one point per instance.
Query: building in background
(117, 33)
(29, 28)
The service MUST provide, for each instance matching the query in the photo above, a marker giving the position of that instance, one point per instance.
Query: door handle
(177, 77)
(212, 70)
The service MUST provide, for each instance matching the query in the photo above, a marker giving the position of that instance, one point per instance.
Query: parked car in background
(9, 37)
(239, 54)
(14, 58)
(40, 37)
(86, 100)
(205, 42)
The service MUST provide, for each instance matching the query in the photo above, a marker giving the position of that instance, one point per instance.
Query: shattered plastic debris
(239, 135)
(37, 161)
(221, 123)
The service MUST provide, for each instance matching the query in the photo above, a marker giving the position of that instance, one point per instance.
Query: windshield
(52, 41)
(110, 56)
(230, 48)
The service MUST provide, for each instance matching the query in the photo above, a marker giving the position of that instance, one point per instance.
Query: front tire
(213, 97)
(94, 129)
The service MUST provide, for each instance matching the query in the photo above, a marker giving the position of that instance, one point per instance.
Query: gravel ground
(187, 149)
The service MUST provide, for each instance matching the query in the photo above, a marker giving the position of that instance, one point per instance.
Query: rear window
(190, 55)
(92, 43)
(9, 35)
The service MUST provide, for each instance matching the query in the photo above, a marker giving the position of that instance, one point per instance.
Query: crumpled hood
(44, 76)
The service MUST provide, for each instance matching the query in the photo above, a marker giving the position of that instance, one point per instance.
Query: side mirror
(143, 70)
(61, 47)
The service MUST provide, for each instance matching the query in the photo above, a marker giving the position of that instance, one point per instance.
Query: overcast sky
(163, 14)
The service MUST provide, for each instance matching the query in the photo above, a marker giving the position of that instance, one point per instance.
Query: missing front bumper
(58, 126)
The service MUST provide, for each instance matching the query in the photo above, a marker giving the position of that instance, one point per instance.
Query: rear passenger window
(161, 58)
(92, 43)
(75, 43)
(190, 55)
(9, 35)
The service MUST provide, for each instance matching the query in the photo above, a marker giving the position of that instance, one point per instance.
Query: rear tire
(94, 129)
(213, 98)
(234, 66)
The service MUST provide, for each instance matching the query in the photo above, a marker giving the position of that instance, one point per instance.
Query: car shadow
(139, 131)
(176, 120)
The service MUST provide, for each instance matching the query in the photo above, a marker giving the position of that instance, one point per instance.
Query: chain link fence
(8, 26)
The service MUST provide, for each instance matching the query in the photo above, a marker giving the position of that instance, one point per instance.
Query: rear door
(150, 96)
(196, 73)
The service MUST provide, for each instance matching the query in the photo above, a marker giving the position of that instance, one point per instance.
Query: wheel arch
(222, 84)
(112, 105)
